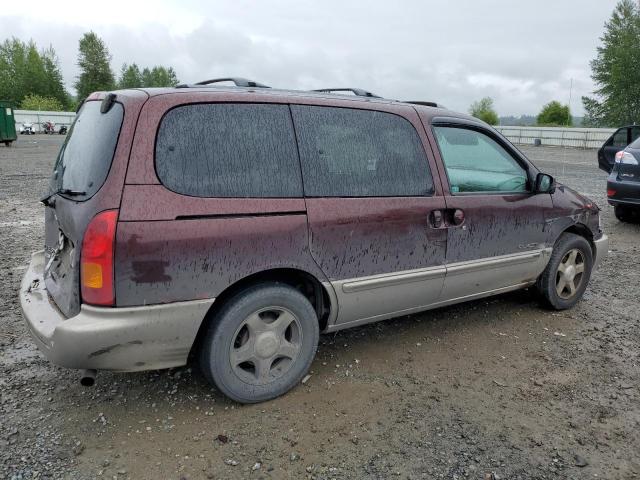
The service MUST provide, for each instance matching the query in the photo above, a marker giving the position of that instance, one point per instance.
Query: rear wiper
(46, 200)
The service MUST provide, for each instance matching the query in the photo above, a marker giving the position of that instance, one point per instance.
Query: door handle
(447, 218)
(457, 218)
(436, 219)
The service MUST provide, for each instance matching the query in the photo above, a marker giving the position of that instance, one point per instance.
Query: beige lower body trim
(378, 297)
(453, 301)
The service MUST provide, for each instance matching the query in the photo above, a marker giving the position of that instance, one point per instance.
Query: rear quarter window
(229, 150)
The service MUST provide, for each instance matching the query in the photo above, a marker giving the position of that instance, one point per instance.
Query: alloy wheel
(570, 274)
(266, 345)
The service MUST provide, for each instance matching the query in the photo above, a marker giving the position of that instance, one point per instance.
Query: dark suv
(237, 223)
(623, 184)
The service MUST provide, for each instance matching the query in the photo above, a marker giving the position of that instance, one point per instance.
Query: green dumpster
(7, 123)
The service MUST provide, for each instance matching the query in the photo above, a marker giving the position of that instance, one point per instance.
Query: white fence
(39, 117)
(557, 136)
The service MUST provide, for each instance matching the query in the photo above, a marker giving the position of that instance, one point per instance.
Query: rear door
(496, 224)
(618, 141)
(372, 205)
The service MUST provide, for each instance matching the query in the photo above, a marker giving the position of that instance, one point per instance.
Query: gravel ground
(496, 387)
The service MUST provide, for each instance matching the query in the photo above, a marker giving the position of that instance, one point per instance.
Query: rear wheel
(261, 343)
(625, 214)
(567, 275)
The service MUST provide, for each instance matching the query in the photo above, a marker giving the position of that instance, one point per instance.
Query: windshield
(85, 157)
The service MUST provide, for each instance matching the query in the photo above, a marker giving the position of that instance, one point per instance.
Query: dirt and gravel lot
(499, 386)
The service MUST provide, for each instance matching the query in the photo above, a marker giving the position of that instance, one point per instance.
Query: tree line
(553, 114)
(31, 78)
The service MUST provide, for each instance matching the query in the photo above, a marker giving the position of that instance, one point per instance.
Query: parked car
(234, 224)
(615, 143)
(623, 184)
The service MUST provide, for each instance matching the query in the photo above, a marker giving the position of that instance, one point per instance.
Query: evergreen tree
(26, 71)
(13, 59)
(159, 76)
(95, 71)
(130, 76)
(615, 71)
(55, 82)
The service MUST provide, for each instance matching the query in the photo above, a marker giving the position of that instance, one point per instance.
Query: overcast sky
(522, 53)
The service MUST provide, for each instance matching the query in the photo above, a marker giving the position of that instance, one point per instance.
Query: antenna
(570, 95)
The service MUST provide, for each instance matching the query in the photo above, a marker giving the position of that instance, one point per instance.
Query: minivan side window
(359, 153)
(229, 150)
(477, 163)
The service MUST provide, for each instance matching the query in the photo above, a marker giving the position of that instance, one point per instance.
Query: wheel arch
(321, 296)
(581, 230)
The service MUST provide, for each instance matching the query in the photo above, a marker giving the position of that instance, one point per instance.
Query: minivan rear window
(229, 150)
(85, 158)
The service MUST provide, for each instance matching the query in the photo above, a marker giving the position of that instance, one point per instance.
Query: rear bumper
(601, 250)
(627, 193)
(123, 339)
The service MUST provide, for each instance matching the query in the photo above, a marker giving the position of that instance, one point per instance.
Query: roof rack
(426, 104)
(356, 91)
(238, 81)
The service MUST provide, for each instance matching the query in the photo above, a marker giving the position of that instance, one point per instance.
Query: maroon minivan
(236, 223)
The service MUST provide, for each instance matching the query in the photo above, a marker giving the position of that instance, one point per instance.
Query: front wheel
(567, 275)
(261, 343)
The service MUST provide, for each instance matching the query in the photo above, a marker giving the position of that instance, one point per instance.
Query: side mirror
(545, 183)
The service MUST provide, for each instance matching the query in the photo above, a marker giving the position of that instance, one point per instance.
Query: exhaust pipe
(88, 377)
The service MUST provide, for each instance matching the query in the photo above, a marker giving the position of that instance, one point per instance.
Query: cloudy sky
(521, 53)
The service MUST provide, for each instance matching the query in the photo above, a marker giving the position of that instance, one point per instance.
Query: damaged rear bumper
(123, 339)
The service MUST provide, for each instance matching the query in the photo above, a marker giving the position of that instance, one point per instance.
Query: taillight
(96, 259)
(626, 158)
(610, 192)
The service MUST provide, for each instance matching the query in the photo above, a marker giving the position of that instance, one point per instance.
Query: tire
(555, 283)
(626, 214)
(261, 343)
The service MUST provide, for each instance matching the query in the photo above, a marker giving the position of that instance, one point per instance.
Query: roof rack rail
(238, 81)
(426, 104)
(356, 91)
